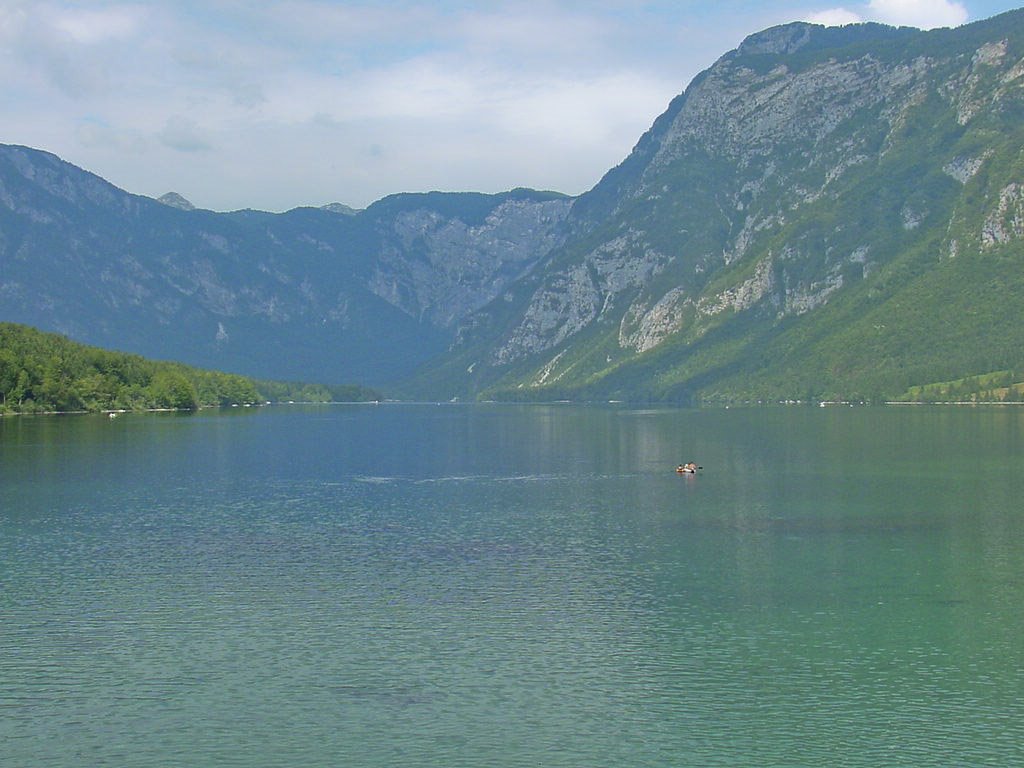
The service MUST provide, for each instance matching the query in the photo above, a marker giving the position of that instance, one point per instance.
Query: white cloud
(77, 50)
(96, 134)
(183, 134)
(345, 100)
(600, 112)
(92, 26)
(926, 14)
(835, 17)
(344, 26)
(350, 100)
(13, 18)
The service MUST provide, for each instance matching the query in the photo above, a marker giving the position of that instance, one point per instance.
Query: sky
(273, 105)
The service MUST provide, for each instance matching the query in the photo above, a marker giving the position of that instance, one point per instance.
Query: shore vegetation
(48, 373)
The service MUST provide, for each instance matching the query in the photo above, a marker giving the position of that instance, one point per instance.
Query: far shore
(113, 412)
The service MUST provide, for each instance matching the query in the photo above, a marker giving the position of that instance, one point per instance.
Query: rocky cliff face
(777, 137)
(439, 269)
(792, 173)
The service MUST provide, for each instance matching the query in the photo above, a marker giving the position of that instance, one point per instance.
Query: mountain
(329, 294)
(175, 200)
(825, 212)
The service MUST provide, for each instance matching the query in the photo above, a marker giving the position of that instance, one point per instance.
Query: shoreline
(116, 412)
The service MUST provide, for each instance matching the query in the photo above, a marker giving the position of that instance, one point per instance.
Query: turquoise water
(513, 586)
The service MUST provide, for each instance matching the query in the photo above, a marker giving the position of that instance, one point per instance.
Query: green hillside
(45, 372)
(824, 214)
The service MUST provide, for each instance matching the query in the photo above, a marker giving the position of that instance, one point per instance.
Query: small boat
(687, 469)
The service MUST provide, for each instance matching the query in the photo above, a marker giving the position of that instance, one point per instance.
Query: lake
(486, 585)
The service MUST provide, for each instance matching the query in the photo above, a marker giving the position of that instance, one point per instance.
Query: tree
(170, 389)
(21, 388)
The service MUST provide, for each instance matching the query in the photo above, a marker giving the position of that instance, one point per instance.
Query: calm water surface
(513, 586)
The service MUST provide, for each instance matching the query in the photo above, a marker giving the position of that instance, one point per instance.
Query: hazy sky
(272, 105)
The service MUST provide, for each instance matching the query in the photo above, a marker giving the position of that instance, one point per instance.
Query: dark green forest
(46, 372)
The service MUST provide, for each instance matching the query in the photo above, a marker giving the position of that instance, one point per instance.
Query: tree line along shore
(48, 373)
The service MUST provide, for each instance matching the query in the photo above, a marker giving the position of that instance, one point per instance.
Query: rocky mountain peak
(785, 39)
(174, 200)
(344, 210)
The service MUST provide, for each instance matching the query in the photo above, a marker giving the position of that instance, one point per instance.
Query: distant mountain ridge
(823, 213)
(307, 294)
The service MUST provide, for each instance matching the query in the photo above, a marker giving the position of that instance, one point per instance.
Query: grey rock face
(175, 200)
(439, 269)
(571, 299)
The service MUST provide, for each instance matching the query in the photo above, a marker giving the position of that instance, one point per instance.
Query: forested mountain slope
(825, 212)
(45, 372)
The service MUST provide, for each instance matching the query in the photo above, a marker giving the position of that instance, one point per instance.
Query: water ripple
(491, 616)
